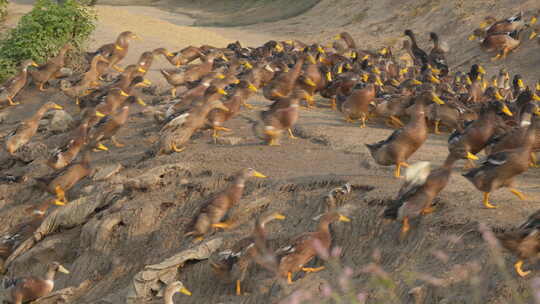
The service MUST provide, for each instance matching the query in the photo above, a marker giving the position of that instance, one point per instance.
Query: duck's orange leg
(289, 277)
(518, 267)
(238, 288)
(486, 201)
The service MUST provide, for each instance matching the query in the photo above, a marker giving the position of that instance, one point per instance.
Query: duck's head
(250, 172)
(408, 33)
(57, 267)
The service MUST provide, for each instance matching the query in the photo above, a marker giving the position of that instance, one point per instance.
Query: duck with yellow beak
(500, 169)
(26, 289)
(216, 209)
(172, 289)
(402, 143)
(476, 135)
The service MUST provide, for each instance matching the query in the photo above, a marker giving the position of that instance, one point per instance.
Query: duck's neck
(40, 112)
(49, 276)
(436, 44)
(413, 40)
(324, 228)
(349, 41)
(530, 137)
(295, 72)
(419, 116)
(449, 162)
(168, 296)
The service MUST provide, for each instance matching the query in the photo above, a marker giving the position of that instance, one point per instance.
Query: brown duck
(181, 57)
(283, 84)
(396, 149)
(171, 289)
(500, 169)
(15, 84)
(47, 71)
(26, 289)
(217, 117)
(282, 115)
(90, 79)
(476, 135)
(108, 126)
(416, 195)
(61, 181)
(215, 210)
(301, 249)
(357, 104)
(232, 264)
(20, 232)
(28, 128)
(117, 51)
(178, 131)
(65, 154)
(192, 73)
(524, 241)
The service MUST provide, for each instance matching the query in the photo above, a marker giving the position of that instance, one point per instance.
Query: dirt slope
(137, 226)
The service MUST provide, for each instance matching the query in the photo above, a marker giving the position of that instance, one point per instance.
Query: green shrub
(43, 31)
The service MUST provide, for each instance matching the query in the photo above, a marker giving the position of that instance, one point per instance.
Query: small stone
(60, 122)
(184, 181)
(229, 140)
(107, 172)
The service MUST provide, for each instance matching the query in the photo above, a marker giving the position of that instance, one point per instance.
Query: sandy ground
(328, 152)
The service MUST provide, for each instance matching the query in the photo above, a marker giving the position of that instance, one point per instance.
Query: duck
(301, 250)
(499, 170)
(173, 288)
(107, 100)
(348, 39)
(192, 73)
(357, 105)
(25, 289)
(64, 155)
(513, 23)
(437, 56)
(210, 94)
(28, 128)
(474, 81)
(179, 130)
(523, 241)
(402, 143)
(22, 231)
(515, 137)
(43, 73)
(281, 115)
(182, 57)
(502, 43)
(243, 90)
(420, 56)
(109, 125)
(476, 135)
(214, 210)
(117, 51)
(89, 80)
(416, 195)
(11, 87)
(144, 63)
(61, 181)
(232, 264)
(283, 84)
